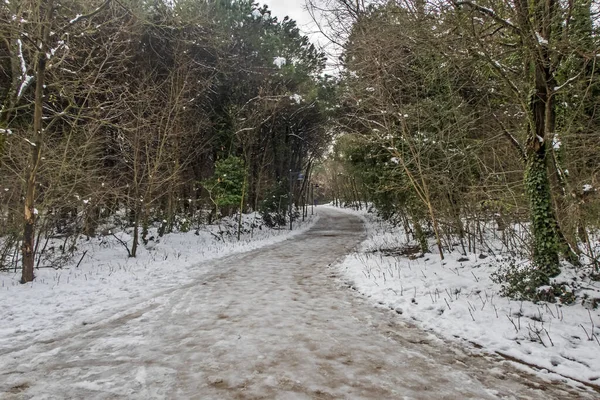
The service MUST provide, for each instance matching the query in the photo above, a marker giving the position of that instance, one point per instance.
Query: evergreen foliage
(147, 109)
(472, 121)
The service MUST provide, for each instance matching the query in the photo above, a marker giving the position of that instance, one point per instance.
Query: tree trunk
(543, 221)
(136, 232)
(537, 183)
(30, 212)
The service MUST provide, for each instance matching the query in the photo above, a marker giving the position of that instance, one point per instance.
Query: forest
(137, 113)
(462, 121)
(474, 122)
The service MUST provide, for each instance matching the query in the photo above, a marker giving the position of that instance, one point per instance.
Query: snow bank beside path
(456, 299)
(108, 282)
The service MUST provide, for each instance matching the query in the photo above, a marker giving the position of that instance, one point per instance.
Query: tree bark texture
(30, 213)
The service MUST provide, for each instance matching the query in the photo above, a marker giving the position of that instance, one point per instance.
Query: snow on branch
(61, 44)
(21, 58)
(489, 12)
(81, 17)
(541, 40)
(25, 79)
(74, 20)
(30, 142)
(569, 81)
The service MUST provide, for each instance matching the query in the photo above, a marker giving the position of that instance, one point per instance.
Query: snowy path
(269, 324)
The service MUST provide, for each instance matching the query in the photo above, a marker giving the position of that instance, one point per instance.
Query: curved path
(268, 324)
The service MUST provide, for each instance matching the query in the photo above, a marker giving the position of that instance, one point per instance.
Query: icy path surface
(268, 324)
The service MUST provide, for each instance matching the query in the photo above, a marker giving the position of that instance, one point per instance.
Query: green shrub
(524, 283)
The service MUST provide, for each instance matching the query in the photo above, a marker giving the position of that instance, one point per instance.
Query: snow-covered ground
(272, 323)
(457, 300)
(107, 280)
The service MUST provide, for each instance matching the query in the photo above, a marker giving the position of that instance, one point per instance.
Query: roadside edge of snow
(420, 291)
(108, 286)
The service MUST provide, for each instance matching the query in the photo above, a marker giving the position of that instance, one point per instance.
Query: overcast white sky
(295, 9)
